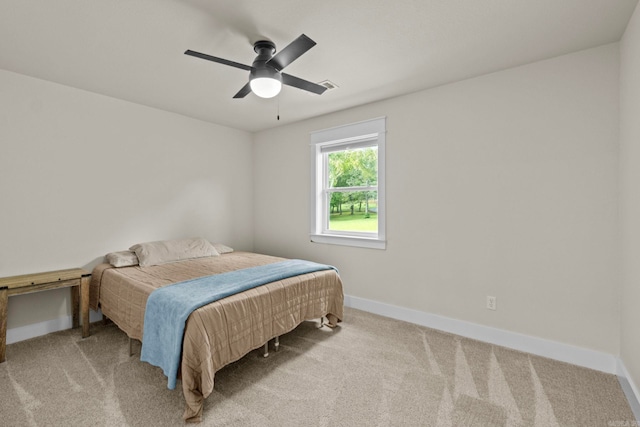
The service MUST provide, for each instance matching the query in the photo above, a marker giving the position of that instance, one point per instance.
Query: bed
(223, 331)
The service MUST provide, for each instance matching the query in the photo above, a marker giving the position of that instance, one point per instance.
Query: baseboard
(26, 332)
(630, 389)
(554, 350)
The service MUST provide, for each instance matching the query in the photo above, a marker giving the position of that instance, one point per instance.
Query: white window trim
(361, 133)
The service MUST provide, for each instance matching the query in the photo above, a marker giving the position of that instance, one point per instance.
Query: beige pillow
(164, 251)
(122, 259)
(222, 249)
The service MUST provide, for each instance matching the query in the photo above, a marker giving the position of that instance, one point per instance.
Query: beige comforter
(225, 330)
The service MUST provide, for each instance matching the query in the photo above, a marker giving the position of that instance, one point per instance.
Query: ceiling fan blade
(246, 90)
(290, 80)
(292, 52)
(218, 60)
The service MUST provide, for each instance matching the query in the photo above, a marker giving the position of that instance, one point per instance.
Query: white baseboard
(37, 329)
(554, 350)
(630, 389)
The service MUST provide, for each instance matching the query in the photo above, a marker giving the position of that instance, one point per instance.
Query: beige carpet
(372, 371)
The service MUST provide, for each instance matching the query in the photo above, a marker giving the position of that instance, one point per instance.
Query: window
(347, 194)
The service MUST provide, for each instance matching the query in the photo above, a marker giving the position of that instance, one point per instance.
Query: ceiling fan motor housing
(265, 50)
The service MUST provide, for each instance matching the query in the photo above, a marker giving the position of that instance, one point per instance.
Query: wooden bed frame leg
(265, 352)
(321, 322)
(130, 347)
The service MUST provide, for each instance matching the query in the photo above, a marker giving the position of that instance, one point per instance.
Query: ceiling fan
(265, 74)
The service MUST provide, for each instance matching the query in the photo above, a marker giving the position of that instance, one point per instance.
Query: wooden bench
(76, 278)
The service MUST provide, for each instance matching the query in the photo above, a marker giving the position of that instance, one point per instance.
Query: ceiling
(371, 49)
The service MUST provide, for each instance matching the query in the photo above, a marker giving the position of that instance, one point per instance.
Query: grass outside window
(358, 221)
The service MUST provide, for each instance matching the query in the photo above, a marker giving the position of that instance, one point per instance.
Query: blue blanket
(169, 307)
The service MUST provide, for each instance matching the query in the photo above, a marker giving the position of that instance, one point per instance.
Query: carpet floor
(370, 371)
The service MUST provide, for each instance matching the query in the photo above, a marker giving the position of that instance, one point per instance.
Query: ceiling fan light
(265, 87)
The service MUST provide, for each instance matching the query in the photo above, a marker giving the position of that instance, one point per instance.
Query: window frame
(361, 134)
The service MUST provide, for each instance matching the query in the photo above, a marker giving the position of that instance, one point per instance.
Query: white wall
(83, 174)
(500, 185)
(503, 185)
(630, 195)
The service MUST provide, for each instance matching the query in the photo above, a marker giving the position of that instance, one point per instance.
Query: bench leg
(75, 306)
(4, 300)
(84, 304)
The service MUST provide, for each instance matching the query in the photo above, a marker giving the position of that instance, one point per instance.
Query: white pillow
(122, 259)
(164, 251)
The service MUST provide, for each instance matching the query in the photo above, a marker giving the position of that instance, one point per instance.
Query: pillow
(222, 249)
(122, 259)
(165, 251)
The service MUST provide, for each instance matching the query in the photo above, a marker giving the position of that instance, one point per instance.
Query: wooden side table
(75, 278)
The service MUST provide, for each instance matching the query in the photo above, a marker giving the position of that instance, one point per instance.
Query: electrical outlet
(492, 304)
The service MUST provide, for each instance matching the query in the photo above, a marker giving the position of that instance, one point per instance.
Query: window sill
(360, 242)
